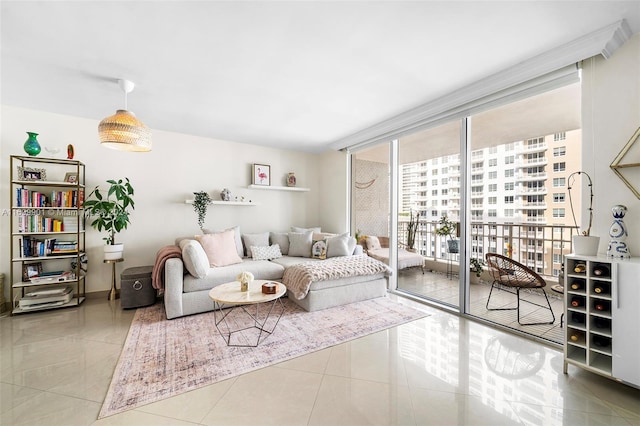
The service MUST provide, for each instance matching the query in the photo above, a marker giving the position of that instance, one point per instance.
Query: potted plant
(476, 266)
(200, 205)
(412, 227)
(447, 228)
(584, 243)
(111, 211)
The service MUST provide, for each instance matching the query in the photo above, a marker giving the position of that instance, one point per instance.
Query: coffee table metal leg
(220, 316)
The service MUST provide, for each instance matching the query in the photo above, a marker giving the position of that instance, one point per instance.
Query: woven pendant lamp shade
(125, 132)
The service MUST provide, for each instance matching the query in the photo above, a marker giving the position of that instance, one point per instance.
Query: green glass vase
(31, 146)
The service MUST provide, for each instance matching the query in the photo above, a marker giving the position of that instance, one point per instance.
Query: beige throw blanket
(298, 278)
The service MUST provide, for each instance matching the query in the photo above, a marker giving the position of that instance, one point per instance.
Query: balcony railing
(521, 242)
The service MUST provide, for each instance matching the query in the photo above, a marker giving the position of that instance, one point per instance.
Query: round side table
(114, 293)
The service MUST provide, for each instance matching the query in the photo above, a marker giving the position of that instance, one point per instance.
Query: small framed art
(28, 173)
(30, 270)
(71, 177)
(261, 175)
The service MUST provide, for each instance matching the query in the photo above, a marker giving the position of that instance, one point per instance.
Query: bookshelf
(47, 233)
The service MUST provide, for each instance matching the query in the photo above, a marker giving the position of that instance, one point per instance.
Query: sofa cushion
(287, 261)
(319, 249)
(281, 239)
(373, 243)
(261, 270)
(300, 243)
(266, 253)
(220, 248)
(340, 245)
(236, 235)
(194, 258)
(261, 239)
(298, 230)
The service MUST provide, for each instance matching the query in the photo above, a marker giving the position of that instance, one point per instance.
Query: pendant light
(123, 130)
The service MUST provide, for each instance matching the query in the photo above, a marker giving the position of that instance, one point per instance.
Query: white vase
(585, 245)
(113, 252)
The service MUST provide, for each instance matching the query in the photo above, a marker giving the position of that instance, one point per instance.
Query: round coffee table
(242, 316)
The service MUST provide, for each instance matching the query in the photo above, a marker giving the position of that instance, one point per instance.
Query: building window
(493, 200)
(558, 197)
(444, 192)
(509, 186)
(493, 175)
(434, 192)
(508, 173)
(493, 150)
(508, 199)
(509, 159)
(509, 146)
(558, 212)
(559, 151)
(508, 212)
(558, 182)
(557, 258)
(493, 213)
(434, 172)
(434, 182)
(445, 181)
(493, 187)
(493, 162)
(559, 167)
(559, 136)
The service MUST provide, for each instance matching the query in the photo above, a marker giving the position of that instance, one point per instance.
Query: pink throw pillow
(220, 248)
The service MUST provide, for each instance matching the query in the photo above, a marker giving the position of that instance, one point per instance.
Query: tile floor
(55, 368)
(438, 287)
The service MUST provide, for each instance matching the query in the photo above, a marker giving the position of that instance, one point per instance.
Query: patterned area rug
(163, 358)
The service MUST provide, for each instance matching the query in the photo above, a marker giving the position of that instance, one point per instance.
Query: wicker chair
(509, 274)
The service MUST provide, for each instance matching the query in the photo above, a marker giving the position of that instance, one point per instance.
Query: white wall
(178, 165)
(610, 116)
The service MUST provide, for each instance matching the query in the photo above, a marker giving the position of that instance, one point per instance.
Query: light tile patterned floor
(440, 370)
(438, 287)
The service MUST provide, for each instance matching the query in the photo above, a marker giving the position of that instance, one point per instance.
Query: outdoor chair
(512, 277)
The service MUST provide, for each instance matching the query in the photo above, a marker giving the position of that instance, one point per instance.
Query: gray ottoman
(135, 287)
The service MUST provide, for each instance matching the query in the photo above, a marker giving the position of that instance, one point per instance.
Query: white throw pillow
(340, 245)
(280, 238)
(194, 258)
(259, 240)
(373, 243)
(266, 253)
(300, 243)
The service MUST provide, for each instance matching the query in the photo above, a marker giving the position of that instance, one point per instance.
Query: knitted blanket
(298, 278)
(157, 275)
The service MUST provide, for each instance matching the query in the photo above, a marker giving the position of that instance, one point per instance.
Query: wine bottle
(576, 285)
(580, 268)
(577, 318)
(601, 323)
(601, 305)
(601, 288)
(576, 336)
(601, 341)
(601, 271)
(577, 301)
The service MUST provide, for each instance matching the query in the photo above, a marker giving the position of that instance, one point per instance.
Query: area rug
(162, 358)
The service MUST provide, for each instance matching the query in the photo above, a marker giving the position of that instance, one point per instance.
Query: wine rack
(602, 301)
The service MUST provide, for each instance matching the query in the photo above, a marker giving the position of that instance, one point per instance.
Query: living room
(181, 163)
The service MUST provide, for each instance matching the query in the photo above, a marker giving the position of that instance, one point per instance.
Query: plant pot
(585, 245)
(453, 246)
(113, 252)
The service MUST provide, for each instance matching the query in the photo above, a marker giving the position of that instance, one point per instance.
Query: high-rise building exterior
(519, 198)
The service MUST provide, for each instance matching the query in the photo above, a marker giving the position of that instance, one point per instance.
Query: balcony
(531, 162)
(533, 205)
(534, 147)
(527, 177)
(540, 190)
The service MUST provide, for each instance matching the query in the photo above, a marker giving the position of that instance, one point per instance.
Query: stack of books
(64, 247)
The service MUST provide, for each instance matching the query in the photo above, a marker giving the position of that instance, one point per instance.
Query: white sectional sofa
(186, 286)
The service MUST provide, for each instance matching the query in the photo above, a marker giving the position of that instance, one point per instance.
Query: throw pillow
(373, 243)
(319, 249)
(297, 229)
(300, 243)
(266, 253)
(194, 258)
(220, 248)
(341, 245)
(261, 239)
(236, 230)
(280, 238)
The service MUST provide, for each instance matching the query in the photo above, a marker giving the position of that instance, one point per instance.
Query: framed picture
(261, 174)
(27, 173)
(30, 270)
(71, 177)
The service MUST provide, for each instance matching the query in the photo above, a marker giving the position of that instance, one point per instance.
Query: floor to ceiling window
(508, 182)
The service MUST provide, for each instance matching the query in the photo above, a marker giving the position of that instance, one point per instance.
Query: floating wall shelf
(280, 188)
(227, 203)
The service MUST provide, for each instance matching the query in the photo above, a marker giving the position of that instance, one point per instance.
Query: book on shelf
(69, 198)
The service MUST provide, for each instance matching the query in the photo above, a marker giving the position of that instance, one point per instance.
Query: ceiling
(295, 75)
